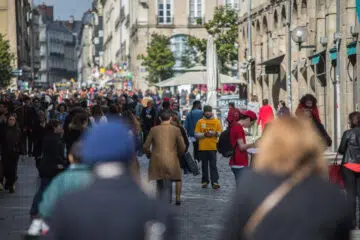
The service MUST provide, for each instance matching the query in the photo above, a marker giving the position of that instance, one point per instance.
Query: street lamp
(300, 35)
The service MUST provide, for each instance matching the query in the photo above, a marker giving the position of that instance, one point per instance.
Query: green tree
(224, 28)
(159, 59)
(6, 60)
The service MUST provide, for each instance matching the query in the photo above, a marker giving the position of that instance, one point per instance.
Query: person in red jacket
(237, 122)
(266, 114)
(308, 101)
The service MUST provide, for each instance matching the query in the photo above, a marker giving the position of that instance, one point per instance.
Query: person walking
(266, 114)
(10, 150)
(290, 185)
(308, 102)
(283, 110)
(97, 116)
(350, 164)
(190, 123)
(114, 206)
(207, 130)
(77, 176)
(52, 163)
(148, 118)
(167, 145)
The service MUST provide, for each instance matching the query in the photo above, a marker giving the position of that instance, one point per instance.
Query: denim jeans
(237, 173)
(44, 183)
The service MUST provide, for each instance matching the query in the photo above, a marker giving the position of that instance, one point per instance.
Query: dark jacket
(39, 134)
(26, 117)
(350, 146)
(53, 155)
(10, 141)
(323, 133)
(148, 120)
(114, 209)
(283, 112)
(73, 135)
(313, 210)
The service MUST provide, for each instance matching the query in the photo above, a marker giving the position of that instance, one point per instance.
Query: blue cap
(109, 142)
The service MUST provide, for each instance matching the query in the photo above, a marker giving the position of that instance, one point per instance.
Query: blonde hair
(289, 143)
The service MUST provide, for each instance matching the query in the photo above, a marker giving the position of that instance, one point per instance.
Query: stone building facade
(313, 68)
(176, 19)
(15, 20)
(55, 47)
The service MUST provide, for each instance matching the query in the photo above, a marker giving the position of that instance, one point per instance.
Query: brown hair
(289, 143)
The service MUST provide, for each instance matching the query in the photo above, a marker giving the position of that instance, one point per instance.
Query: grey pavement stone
(200, 215)
(14, 209)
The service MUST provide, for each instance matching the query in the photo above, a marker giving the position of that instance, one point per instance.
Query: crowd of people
(85, 145)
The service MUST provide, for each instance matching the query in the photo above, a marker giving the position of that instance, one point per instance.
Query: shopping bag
(191, 164)
(335, 174)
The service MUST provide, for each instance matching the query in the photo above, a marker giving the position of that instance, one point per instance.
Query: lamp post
(300, 35)
(250, 51)
(289, 77)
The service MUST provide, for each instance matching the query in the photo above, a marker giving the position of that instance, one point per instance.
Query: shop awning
(276, 61)
(316, 58)
(272, 66)
(333, 54)
(351, 48)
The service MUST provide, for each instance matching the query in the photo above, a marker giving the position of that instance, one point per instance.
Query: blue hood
(191, 119)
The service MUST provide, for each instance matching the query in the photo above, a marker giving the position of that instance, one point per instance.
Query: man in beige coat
(168, 147)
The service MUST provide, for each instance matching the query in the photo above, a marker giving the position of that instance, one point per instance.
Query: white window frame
(196, 10)
(234, 4)
(165, 16)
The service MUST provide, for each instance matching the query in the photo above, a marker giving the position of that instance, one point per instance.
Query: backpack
(224, 146)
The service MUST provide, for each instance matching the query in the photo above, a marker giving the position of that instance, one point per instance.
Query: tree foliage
(159, 59)
(224, 28)
(6, 59)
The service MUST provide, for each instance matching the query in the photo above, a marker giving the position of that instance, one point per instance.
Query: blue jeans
(44, 183)
(237, 173)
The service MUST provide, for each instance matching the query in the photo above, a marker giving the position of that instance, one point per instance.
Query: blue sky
(63, 9)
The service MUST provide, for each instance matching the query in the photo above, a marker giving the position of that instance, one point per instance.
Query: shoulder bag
(274, 198)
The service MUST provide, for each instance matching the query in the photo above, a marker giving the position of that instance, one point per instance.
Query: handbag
(274, 198)
(191, 164)
(335, 176)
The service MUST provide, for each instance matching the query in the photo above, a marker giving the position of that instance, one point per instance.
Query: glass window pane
(168, 19)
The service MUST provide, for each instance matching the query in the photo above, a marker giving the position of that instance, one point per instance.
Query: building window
(184, 55)
(234, 4)
(164, 12)
(196, 11)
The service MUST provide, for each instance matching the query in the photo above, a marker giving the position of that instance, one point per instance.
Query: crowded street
(199, 217)
(179, 119)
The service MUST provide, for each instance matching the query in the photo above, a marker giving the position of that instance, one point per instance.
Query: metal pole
(250, 50)
(337, 131)
(289, 78)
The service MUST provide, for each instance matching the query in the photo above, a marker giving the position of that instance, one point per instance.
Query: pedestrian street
(199, 216)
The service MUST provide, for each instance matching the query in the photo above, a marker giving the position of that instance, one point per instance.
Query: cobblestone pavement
(200, 216)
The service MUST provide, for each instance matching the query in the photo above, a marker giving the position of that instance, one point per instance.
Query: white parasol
(212, 72)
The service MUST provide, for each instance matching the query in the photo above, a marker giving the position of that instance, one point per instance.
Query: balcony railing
(196, 21)
(164, 21)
